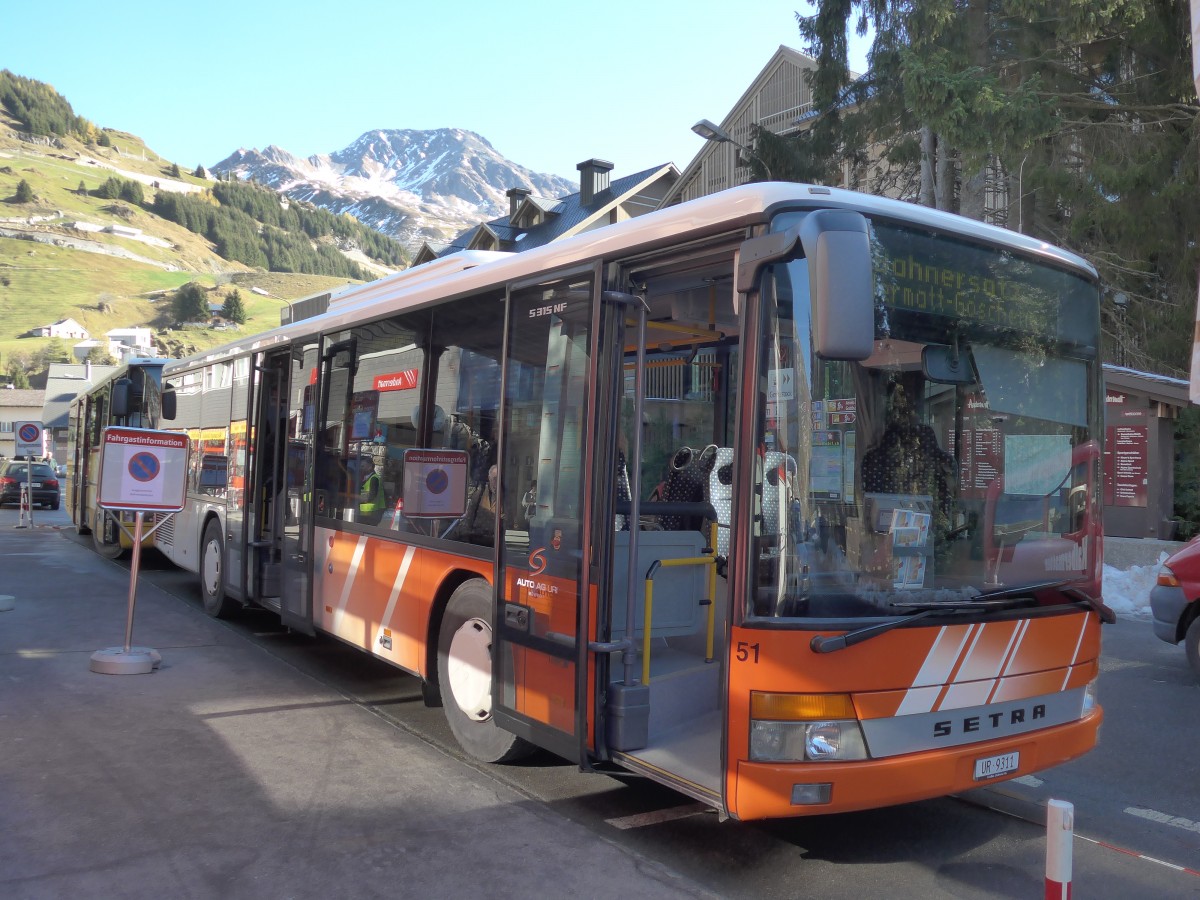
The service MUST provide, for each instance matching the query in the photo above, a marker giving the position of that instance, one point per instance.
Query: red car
(1175, 601)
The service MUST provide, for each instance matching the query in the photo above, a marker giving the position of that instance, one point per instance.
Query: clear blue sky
(548, 82)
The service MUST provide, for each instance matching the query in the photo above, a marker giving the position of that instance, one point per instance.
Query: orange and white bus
(128, 396)
(787, 497)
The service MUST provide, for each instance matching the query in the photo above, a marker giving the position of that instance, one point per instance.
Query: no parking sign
(30, 438)
(143, 469)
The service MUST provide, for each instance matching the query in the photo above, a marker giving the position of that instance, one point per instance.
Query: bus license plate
(992, 766)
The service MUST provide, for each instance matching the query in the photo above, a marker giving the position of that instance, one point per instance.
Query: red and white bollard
(26, 518)
(1060, 834)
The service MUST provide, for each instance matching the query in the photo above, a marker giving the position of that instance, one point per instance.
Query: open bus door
(543, 674)
(280, 456)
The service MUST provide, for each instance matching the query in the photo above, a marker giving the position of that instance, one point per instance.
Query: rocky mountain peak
(413, 185)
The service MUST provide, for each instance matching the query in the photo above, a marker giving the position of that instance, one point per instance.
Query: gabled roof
(562, 217)
(430, 250)
(63, 383)
(775, 100)
(15, 398)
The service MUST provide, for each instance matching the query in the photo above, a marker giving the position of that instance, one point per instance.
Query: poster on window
(435, 483)
(364, 408)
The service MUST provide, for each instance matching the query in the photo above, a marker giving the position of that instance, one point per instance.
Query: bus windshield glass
(961, 458)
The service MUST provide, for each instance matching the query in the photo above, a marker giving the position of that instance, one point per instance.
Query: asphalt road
(1136, 796)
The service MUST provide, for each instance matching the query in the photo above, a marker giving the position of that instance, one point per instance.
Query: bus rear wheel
(106, 535)
(465, 676)
(212, 582)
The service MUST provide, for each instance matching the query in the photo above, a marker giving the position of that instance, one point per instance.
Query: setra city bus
(787, 497)
(129, 396)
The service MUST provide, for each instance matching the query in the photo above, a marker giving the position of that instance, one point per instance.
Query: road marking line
(641, 820)
(1163, 818)
(1141, 856)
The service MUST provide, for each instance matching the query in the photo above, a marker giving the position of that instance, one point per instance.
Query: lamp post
(1121, 302)
(719, 135)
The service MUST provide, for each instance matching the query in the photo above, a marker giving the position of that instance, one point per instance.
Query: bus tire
(212, 564)
(1191, 641)
(107, 549)
(465, 676)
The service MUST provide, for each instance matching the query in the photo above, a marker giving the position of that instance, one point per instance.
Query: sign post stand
(30, 441)
(140, 470)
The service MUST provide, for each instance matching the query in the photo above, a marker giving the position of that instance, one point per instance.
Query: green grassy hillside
(111, 263)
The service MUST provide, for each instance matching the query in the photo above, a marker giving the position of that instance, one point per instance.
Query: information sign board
(143, 469)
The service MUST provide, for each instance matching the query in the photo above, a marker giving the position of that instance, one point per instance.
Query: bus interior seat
(688, 482)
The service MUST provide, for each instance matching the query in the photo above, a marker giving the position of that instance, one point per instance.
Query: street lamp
(719, 135)
(1121, 301)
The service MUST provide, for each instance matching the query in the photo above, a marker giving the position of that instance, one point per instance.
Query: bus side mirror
(841, 283)
(168, 405)
(119, 403)
(841, 279)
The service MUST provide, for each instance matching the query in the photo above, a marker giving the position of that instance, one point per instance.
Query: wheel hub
(469, 667)
(212, 567)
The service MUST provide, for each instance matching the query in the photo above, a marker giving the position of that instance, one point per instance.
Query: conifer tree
(1080, 119)
(17, 376)
(24, 192)
(234, 310)
(190, 304)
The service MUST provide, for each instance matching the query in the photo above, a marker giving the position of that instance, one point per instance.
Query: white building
(64, 328)
(125, 342)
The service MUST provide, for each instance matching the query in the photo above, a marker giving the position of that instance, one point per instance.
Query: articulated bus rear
(787, 497)
(130, 397)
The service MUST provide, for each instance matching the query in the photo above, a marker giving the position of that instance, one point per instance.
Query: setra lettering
(989, 721)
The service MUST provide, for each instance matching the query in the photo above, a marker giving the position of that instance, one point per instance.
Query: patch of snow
(1127, 591)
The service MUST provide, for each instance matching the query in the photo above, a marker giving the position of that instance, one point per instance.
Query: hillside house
(537, 221)
(67, 329)
(125, 342)
(83, 349)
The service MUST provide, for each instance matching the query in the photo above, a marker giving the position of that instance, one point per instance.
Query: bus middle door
(541, 671)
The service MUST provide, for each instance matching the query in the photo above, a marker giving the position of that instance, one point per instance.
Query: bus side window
(371, 417)
(469, 393)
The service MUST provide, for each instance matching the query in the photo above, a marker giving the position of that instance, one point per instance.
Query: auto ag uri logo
(537, 561)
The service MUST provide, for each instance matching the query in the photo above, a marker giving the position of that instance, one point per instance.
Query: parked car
(45, 484)
(1175, 601)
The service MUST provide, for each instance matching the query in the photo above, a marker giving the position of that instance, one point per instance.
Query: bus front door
(541, 672)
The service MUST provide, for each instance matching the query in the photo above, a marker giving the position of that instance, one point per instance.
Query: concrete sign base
(119, 661)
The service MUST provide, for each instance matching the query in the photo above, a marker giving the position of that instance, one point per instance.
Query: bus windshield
(961, 458)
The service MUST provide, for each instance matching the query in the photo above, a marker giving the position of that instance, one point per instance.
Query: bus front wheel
(1192, 641)
(212, 583)
(465, 676)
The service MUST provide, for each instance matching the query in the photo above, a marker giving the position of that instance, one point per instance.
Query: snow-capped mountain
(412, 185)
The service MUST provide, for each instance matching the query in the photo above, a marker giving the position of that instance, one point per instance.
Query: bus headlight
(793, 728)
(1090, 701)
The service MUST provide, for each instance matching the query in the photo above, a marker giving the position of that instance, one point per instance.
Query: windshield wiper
(920, 609)
(1107, 616)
